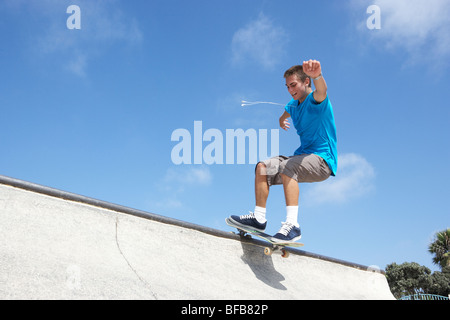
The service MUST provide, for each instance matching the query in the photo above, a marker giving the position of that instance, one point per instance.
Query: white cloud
(103, 24)
(77, 65)
(260, 41)
(176, 181)
(355, 178)
(188, 176)
(419, 27)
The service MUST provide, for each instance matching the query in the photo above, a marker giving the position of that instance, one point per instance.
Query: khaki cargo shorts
(302, 168)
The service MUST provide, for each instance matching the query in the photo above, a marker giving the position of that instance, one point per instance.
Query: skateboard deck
(274, 245)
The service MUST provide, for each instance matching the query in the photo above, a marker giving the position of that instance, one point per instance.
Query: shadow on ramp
(262, 266)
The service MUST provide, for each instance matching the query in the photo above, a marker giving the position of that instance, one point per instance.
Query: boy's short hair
(298, 71)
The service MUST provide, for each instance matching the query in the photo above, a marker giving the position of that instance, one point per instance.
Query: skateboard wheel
(284, 254)
(268, 251)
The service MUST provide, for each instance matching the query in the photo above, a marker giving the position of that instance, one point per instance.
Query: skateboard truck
(269, 251)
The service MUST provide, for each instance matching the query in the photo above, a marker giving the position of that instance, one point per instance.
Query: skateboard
(274, 246)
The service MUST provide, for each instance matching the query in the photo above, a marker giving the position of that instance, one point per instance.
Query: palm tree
(440, 247)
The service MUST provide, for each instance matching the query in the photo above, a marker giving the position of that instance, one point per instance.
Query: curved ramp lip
(33, 187)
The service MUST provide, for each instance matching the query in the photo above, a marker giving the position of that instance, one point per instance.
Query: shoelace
(286, 227)
(251, 215)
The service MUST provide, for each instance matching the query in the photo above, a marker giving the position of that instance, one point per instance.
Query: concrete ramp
(59, 245)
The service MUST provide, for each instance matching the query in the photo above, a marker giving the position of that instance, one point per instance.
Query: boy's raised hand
(312, 68)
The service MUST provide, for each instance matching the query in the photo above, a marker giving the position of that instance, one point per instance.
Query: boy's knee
(261, 169)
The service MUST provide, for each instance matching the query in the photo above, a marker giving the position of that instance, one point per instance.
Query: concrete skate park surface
(59, 245)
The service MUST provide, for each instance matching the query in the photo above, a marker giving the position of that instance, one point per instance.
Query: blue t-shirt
(315, 126)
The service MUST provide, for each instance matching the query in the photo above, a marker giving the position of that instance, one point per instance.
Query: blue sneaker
(288, 232)
(249, 221)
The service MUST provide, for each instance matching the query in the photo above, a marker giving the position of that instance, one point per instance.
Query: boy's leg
(257, 218)
(291, 194)
(261, 185)
(266, 174)
(291, 190)
(303, 168)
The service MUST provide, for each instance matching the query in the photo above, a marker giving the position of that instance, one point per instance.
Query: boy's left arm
(284, 124)
(313, 69)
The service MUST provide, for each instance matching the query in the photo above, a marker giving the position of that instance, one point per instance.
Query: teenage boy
(316, 158)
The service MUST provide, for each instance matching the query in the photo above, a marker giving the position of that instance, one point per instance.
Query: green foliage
(440, 247)
(440, 282)
(408, 279)
(411, 278)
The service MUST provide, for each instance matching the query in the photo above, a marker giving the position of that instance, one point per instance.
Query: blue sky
(92, 111)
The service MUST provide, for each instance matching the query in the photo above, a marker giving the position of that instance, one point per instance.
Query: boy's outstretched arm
(313, 69)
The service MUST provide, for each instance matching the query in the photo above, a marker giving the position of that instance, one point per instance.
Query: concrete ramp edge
(61, 245)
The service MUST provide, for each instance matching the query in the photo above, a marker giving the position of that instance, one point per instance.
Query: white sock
(260, 214)
(292, 215)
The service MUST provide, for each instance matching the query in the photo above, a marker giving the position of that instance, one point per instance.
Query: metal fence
(421, 296)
